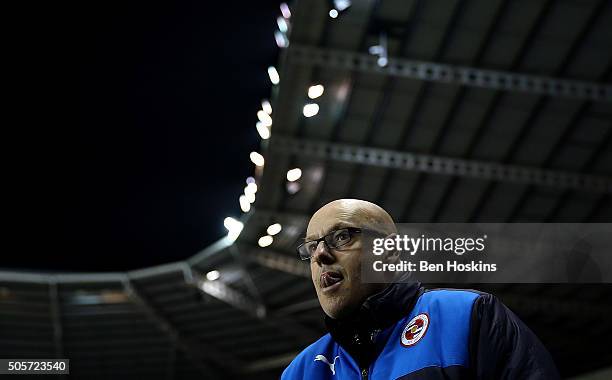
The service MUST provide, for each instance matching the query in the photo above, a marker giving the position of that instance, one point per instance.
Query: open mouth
(329, 279)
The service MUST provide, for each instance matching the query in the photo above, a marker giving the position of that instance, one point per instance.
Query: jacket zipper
(364, 374)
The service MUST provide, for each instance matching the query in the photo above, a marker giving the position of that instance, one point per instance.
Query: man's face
(336, 273)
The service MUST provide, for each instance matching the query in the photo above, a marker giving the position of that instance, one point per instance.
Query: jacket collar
(395, 302)
(379, 311)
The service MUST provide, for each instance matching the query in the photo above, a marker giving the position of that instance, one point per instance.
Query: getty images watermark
(489, 252)
(412, 246)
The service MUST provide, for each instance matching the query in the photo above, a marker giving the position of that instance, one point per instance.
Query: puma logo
(324, 360)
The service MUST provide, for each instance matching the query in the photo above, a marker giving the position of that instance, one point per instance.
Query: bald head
(358, 213)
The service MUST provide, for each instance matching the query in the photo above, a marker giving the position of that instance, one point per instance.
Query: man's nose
(322, 254)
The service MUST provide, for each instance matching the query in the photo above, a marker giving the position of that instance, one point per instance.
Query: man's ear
(391, 257)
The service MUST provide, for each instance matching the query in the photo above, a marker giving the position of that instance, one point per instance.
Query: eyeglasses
(334, 239)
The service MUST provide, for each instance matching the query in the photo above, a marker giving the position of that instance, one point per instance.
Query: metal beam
(217, 289)
(451, 74)
(560, 201)
(362, 40)
(537, 110)
(210, 251)
(280, 262)
(222, 292)
(249, 282)
(63, 278)
(416, 111)
(158, 270)
(441, 165)
(456, 104)
(193, 350)
(290, 327)
(419, 98)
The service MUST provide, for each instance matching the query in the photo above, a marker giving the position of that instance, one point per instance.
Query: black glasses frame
(327, 240)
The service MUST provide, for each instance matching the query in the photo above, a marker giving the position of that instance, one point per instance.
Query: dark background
(133, 126)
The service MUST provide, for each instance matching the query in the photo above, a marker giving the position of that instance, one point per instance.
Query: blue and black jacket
(406, 332)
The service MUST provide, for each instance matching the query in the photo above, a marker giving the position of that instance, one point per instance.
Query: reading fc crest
(415, 330)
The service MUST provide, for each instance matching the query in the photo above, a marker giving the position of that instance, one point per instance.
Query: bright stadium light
(375, 50)
(249, 192)
(250, 180)
(263, 131)
(281, 39)
(283, 26)
(264, 117)
(333, 13)
(250, 188)
(250, 197)
(257, 159)
(273, 229)
(341, 5)
(245, 205)
(231, 223)
(285, 10)
(315, 91)
(273, 74)
(265, 241)
(234, 227)
(311, 109)
(266, 106)
(213, 275)
(294, 174)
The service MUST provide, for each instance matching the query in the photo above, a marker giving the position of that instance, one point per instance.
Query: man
(402, 331)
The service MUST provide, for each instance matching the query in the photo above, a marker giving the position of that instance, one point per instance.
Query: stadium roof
(480, 111)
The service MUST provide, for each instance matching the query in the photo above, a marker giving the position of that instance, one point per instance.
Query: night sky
(139, 121)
